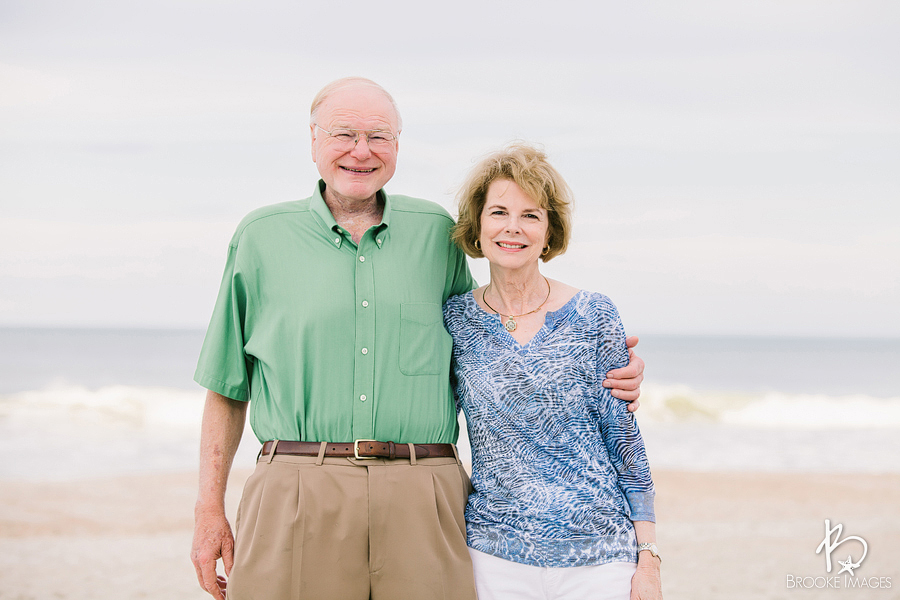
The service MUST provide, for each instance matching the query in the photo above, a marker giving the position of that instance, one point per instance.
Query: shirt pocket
(424, 343)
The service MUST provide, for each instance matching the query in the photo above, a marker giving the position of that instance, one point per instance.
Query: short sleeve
(223, 366)
(459, 278)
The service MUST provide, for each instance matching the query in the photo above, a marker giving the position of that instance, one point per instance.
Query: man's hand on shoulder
(625, 383)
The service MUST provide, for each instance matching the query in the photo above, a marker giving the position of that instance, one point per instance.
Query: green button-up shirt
(334, 341)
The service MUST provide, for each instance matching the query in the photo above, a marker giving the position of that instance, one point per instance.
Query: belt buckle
(356, 450)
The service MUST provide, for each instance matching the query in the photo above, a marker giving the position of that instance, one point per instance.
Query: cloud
(34, 249)
(723, 154)
(22, 87)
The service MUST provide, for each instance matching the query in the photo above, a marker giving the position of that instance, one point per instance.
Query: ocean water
(80, 403)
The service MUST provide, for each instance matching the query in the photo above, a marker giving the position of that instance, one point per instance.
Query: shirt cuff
(641, 505)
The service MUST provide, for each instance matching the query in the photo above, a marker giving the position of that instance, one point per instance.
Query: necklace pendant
(510, 325)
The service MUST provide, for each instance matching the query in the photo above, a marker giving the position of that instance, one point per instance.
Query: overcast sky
(736, 165)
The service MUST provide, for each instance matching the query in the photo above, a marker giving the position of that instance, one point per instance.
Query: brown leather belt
(360, 449)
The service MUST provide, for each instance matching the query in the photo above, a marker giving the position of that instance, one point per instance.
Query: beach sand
(722, 535)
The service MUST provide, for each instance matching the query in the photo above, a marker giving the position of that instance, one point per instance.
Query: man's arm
(625, 383)
(220, 434)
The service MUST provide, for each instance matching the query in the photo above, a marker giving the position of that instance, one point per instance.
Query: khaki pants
(346, 529)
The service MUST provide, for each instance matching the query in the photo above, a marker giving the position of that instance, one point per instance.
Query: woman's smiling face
(513, 226)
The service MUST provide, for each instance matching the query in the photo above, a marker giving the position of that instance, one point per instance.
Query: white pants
(500, 579)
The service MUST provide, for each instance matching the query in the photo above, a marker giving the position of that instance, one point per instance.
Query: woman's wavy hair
(528, 167)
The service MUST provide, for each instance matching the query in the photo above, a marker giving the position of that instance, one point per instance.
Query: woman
(563, 500)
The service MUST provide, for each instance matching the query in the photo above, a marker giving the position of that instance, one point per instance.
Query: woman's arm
(625, 383)
(646, 583)
(625, 447)
(618, 427)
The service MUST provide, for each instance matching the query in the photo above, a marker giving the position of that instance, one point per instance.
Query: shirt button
(365, 303)
(379, 242)
(337, 240)
(362, 259)
(363, 398)
(365, 350)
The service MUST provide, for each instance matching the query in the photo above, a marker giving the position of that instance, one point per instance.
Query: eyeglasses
(345, 139)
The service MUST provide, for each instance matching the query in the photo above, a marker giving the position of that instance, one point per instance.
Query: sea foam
(118, 430)
(167, 408)
(72, 432)
(769, 410)
(116, 405)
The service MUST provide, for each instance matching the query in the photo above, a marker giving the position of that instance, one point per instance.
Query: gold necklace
(511, 323)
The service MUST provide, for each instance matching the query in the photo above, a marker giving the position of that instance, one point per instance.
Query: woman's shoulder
(460, 301)
(572, 301)
(596, 303)
(602, 324)
(456, 307)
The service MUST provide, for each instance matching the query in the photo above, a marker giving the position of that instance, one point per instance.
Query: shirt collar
(317, 205)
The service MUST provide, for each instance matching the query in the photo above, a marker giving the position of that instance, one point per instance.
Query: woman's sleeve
(450, 320)
(620, 430)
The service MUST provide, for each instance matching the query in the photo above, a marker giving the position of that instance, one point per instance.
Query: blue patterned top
(558, 464)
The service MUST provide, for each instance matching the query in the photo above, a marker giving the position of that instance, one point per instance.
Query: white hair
(345, 82)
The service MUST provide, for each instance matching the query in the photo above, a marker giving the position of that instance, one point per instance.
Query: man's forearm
(220, 434)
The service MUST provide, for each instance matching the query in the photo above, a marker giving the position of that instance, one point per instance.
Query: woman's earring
(478, 245)
(545, 250)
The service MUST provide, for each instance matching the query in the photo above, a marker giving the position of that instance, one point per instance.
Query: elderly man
(328, 325)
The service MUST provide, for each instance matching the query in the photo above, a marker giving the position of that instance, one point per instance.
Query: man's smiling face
(354, 175)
